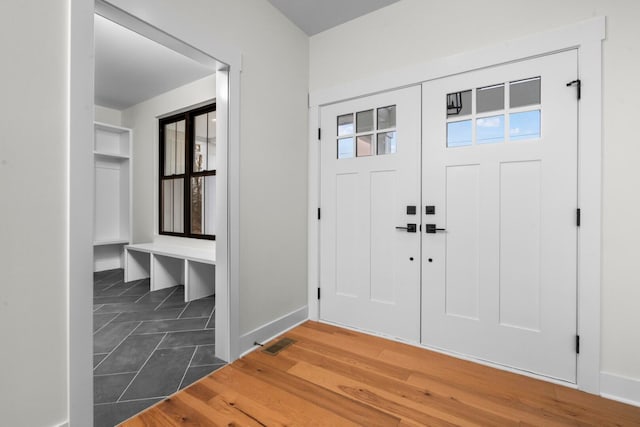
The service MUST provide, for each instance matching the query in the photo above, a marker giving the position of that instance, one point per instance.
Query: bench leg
(200, 280)
(166, 272)
(136, 265)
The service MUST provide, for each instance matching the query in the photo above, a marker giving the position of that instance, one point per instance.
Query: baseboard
(622, 389)
(272, 329)
(66, 424)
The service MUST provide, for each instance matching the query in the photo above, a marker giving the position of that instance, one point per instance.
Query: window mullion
(188, 154)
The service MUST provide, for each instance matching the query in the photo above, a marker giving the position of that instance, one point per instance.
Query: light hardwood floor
(337, 377)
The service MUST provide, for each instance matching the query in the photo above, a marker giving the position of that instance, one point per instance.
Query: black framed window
(188, 173)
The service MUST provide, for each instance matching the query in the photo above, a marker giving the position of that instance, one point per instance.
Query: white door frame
(228, 64)
(587, 38)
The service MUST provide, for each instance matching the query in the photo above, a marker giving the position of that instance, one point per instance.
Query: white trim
(228, 62)
(233, 215)
(590, 203)
(80, 225)
(313, 228)
(64, 424)
(568, 37)
(584, 36)
(620, 388)
(272, 329)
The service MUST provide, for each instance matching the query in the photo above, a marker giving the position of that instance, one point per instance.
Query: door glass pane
(345, 148)
(490, 129)
(364, 146)
(386, 117)
(167, 205)
(490, 98)
(178, 205)
(197, 205)
(524, 92)
(200, 146)
(364, 121)
(170, 149)
(524, 125)
(459, 133)
(459, 103)
(345, 124)
(387, 143)
(211, 141)
(180, 138)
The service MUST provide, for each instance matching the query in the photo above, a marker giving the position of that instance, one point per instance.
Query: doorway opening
(130, 314)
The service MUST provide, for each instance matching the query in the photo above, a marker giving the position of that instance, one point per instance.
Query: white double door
(489, 160)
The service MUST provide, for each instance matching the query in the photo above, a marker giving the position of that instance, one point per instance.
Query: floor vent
(278, 346)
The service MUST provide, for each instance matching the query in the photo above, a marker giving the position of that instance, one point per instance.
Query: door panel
(370, 173)
(500, 166)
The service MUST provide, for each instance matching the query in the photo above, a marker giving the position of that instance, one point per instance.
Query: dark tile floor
(146, 345)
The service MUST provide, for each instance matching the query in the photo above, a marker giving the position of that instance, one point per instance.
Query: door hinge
(318, 214)
(578, 217)
(578, 84)
(318, 292)
(319, 134)
(577, 344)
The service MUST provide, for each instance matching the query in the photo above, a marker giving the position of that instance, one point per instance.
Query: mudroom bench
(168, 266)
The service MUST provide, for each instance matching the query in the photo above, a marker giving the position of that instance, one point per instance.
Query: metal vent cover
(277, 347)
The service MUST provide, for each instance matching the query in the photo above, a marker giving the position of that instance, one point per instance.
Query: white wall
(33, 210)
(415, 31)
(142, 118)
(106, 115)
(273, 142)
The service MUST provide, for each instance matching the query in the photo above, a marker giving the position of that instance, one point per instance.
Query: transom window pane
(387, 143)
(345, 125)
(490, 98)
(459, 103)
(364, 121)
(387, 117)
(524, 92)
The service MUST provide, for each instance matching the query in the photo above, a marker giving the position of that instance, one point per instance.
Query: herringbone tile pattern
(147, 345)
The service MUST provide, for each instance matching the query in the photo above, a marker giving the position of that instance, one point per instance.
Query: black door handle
(411, 228)
(431, 229)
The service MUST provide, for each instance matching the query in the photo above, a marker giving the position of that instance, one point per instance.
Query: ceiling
(131, 68)
(315, 16)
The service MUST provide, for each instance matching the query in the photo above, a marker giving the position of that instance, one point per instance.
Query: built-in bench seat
(168, 266)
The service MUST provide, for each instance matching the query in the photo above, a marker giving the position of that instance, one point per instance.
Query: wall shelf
(112, 197)
(110, 155)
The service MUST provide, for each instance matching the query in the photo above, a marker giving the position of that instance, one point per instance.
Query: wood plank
(349, 409)
(299, 411)
(440, 396)
(338, 377)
